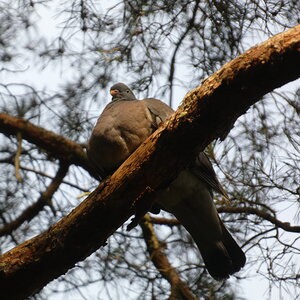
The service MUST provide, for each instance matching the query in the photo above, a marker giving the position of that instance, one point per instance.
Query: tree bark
(208, 112)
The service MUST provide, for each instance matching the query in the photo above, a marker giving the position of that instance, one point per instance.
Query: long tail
(220, 252)
(189, 199)
(222, 258)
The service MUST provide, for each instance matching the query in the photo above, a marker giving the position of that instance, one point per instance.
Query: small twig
(236, 210)
(17, 157)
(45, 199)
(84, 194)
(10, 160)
(262, 214)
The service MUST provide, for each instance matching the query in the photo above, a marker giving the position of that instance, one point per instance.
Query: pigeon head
(121, 91)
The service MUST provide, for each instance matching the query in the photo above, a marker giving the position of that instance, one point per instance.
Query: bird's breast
(118, 133)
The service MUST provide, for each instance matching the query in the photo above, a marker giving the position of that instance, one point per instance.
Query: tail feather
(235, 252)
(189, 199)
(223, 258)
(217, 260)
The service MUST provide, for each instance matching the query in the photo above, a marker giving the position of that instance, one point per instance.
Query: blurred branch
(164, 221)
(178, 44)
(264, 215)
(179, 289)
(17, 157)
(10, 160)
(236, 210)
(215, 106)
(48, 176)
(45, 199)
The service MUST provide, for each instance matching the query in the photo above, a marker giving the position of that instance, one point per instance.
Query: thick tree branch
(55, 145)
(208, 112)
(178, 288)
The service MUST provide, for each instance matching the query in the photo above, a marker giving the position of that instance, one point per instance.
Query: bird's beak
(114, 92)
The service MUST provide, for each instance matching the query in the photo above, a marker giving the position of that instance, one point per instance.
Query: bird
(123, 126)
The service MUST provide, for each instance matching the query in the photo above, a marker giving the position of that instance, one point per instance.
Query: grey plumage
(123, 125)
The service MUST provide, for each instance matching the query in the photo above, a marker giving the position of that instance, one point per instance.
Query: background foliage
(58, 59)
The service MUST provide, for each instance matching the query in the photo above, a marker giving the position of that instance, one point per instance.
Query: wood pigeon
(123, 125)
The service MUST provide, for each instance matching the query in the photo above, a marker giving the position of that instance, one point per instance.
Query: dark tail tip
(225, 258)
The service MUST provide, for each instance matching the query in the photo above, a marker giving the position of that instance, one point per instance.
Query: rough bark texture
(208, 112)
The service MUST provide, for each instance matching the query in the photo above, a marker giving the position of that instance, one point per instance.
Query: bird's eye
(127, 91)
